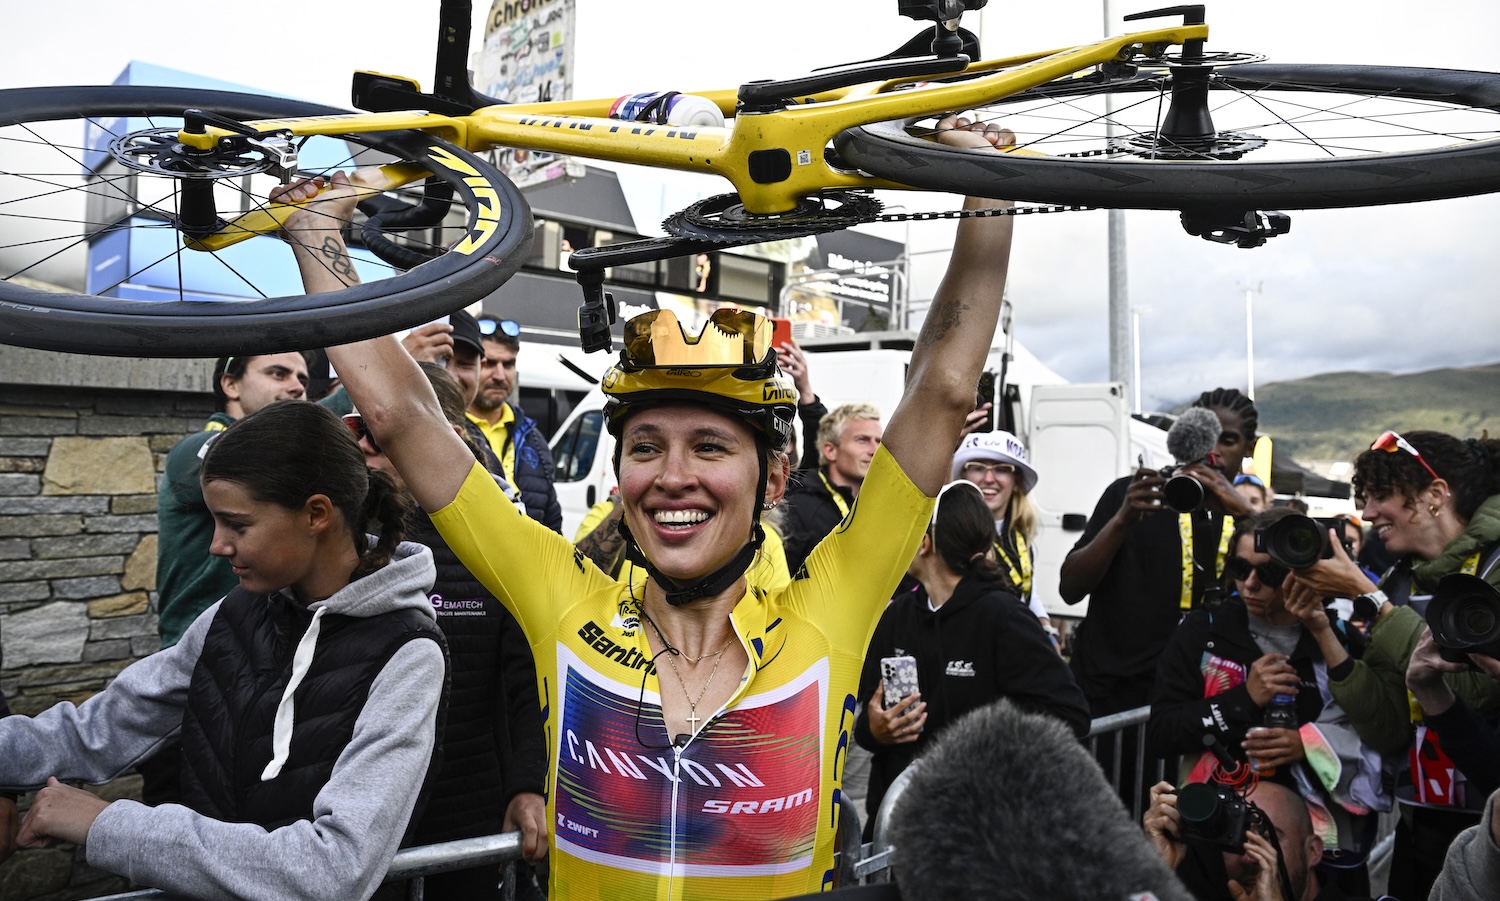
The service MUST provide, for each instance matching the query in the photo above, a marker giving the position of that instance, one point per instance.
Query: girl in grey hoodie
(306, 700)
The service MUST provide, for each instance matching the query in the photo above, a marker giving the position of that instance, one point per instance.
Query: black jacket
(1181, 714)
(494, 743)
(982, 645)
(227, 726)
(809, 514)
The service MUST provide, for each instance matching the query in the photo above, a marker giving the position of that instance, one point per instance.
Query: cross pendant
(692, 720)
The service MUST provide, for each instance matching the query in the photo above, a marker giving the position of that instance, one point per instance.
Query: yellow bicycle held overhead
(1145, 120)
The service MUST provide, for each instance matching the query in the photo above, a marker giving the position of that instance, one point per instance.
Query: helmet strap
(715, 582)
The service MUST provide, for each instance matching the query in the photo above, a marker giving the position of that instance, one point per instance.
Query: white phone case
(899, 674)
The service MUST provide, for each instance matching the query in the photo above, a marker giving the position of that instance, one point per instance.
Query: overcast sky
(1397, 288)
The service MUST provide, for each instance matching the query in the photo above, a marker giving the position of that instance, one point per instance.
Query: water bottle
(1281, 713)
(667, 108)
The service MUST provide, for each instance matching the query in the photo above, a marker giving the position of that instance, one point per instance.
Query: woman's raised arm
(381, 377)
(956, 337)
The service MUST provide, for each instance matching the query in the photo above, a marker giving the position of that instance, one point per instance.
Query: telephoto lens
(1295, 541)
(1464, 616)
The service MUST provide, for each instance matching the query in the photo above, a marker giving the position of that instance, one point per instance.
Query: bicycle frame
(772, 159)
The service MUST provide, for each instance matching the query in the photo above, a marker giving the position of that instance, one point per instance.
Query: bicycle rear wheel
(92, 260)
(1285, 137)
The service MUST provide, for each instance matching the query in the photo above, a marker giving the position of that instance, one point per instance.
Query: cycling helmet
(730, 366)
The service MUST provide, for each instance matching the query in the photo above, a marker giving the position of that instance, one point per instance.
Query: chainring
(724, 218)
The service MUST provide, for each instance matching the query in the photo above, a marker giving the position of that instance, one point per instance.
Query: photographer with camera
(1434, 500)
(1254, 873)
(1224, 669)
(1143, 565)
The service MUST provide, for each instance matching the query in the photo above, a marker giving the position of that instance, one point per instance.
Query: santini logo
(599, 641)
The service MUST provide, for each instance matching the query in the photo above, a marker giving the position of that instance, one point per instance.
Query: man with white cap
(996, 462)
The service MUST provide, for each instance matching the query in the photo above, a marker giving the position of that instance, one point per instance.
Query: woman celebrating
(316, 680)
(973, 640)
(996, 462)
(698, 728)
(1434, 500)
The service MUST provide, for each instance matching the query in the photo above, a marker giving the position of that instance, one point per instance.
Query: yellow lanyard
(1020, 570)
(1471, 565)
(838, 499)
(1185, 529)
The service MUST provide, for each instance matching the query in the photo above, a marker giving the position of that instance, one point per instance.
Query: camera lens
(1197, 803)
(1465, 615)
(1475, 620)
(1294, 541)
(1183, 494)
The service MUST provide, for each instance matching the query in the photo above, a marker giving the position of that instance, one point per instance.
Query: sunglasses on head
(508, 327)
(1391, 442)
(730, 338)
(357, 427)
(1270, 573)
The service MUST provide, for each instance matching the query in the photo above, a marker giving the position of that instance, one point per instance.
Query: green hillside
(1336, 415)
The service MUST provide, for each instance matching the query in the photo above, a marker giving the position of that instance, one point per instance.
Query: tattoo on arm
(605, 543)
(338, 258)
(942, 317)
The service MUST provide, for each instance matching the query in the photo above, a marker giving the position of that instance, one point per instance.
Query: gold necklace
(672, 653)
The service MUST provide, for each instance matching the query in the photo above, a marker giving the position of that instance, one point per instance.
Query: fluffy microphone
(1008, 805)
(1194, 435)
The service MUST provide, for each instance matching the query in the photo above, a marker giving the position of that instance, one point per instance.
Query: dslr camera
(1464, 615)
(1215, 816)
(1182, 493)
(1298, 541)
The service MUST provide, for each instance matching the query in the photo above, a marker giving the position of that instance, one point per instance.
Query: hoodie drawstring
(281, 735)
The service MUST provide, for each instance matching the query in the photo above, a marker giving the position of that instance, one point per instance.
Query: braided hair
(1470, 467)
(289, 451)
(1236, 402)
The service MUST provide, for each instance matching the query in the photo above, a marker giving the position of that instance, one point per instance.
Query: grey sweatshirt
(359, 816)
(1472, 869)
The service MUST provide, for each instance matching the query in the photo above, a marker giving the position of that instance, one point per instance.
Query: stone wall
(78, 473)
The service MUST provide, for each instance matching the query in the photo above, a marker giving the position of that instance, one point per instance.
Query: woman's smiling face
(688, 477)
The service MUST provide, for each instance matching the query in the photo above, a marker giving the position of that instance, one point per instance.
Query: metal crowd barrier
(857, 863)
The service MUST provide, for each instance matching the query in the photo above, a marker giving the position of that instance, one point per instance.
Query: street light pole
(1250, 336)
(1119, 300)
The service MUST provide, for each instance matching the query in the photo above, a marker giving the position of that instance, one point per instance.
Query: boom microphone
(1008, 805)
(1194, 435)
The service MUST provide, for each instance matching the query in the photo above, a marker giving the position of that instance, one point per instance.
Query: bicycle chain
(981, 214)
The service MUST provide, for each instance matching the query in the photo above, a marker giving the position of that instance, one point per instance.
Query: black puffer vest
(493, 674)
(237, 684)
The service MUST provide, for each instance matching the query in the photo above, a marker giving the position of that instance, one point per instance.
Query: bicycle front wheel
(93, 258)
(1282, 137)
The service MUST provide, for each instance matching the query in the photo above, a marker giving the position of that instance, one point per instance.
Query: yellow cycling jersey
(747, 807)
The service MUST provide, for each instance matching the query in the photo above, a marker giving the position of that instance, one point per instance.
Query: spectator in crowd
(847, 440)
(1142, 567)
(306, 700)
(1434, 500)
(973, 639)
(1218, 675)
(1253, 490)
(1254, 874)
(525, 458)
(996, 463)
(494, 765)
(188, 577)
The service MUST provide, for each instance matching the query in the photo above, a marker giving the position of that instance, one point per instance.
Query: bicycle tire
(182, 327)
(890, 150)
